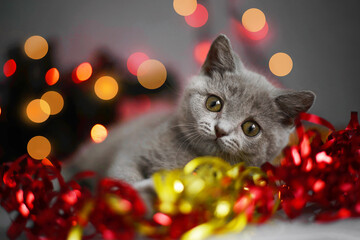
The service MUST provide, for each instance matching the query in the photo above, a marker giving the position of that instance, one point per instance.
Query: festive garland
(207, 197)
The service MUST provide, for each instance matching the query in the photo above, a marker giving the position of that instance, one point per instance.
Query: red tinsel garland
(312, 172)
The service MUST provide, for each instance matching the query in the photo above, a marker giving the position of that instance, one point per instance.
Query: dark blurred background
(321, 37)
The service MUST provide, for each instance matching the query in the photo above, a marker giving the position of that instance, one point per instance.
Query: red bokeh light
(251, 35)
(134, 61)
(9, 67)
(198, 18)
(201, 50)
(52, 76)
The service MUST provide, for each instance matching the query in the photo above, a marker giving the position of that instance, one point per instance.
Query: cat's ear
(220, 58)
(291, 103)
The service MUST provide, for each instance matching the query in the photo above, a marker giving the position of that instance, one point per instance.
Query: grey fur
(136, 150)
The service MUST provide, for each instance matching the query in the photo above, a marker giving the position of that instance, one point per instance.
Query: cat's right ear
(220, 58)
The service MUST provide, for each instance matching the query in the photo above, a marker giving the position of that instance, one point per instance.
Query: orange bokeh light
(280, 64)
(201, 50)
(152, 74)
(98, 133)
(38, 110)
(55, 101)
(39, 147)
(84, 71)
(9, 67)
(253, 20)
(197, 18)
(184, 7)
(106, 88)
(52, 76)
(134, 61)
(36, 47)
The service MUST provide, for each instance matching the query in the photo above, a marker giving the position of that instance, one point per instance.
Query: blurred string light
(52, 76)
(151, 74)
(83, 71)
(184, 7)
(38, 110)
(9, 67)
(253, 20)
(0, 111)
(106, 88)
(201, 50)
(55, 101)
(198, 18)
(134, 61)
(39, 147)
(36, 47)
(280, 64)
(98, 133)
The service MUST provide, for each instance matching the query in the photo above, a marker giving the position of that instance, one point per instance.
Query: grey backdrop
(322, 37)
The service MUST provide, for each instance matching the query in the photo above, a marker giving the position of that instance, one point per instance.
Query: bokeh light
(197, 18)
(106, 88)
(39, 147)
(151, 74)
(9, 67)
(0, 111)
(55, 101)
(134, 61)
(36, 47)
(52, 76)
(280, 64)
(83, 71)
(253, 20)
(38, 110)
(201, 50)
(184, 7)
(98, 133)
(251, 35)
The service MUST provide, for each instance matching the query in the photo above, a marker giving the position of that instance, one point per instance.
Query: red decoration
(322, 174)
(325, 175)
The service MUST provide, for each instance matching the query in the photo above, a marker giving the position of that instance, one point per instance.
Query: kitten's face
(236, 113)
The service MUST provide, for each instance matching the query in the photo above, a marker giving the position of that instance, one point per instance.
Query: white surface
(298, 229)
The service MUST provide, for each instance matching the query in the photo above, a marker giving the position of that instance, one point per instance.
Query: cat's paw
(146, 191)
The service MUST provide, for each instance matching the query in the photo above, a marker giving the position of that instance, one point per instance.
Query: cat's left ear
(291, 103)
(220, 58)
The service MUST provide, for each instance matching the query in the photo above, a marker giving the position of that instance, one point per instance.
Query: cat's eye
(250, 128)
(213, 103)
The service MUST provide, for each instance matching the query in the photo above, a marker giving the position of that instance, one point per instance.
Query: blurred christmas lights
(38, 110)
(52, 76)
(106, 88)
(9, 67)
(98, 133)
(201, 50)
(83, 71)
(151, 74)
(39, 147)
(198, 18)
(134, 61)
(55, 101)
(36, 47)
(280, 64)
(184, 7)
(253, 20)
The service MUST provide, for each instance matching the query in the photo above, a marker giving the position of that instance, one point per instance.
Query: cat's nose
(220, 132)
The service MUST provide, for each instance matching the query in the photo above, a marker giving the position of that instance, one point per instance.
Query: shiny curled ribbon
(322, 174)
(227, 197)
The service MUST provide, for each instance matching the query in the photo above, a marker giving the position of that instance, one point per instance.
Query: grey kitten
(226, 111)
